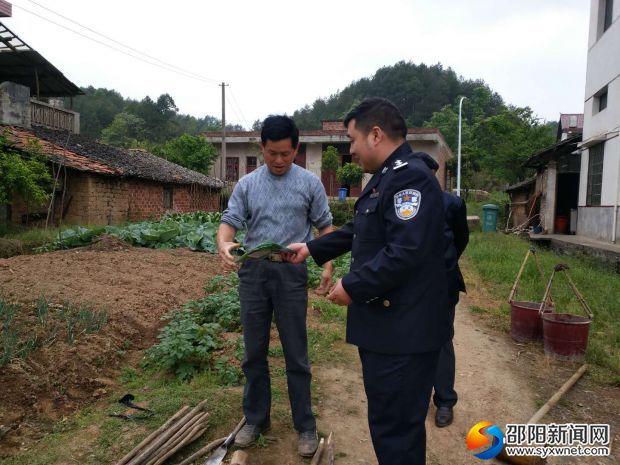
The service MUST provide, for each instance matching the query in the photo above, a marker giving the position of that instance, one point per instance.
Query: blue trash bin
(342, 194)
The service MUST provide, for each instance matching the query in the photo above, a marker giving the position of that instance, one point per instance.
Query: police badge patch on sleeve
(407, 203)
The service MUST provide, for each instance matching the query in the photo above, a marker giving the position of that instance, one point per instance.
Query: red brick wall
(92, 199)
(333, 126)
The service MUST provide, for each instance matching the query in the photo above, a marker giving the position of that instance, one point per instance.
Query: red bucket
(565, 335)
(525, 321)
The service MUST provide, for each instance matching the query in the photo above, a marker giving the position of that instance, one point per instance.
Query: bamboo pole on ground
(166, 435)
(151, 436)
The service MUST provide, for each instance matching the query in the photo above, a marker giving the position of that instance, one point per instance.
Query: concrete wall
(14, 104)
(595, 222)
(313, 158)
(239, 150)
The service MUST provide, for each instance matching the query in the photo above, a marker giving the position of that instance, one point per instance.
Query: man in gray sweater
(278, 202)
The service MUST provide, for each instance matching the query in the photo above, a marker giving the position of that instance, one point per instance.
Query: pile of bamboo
(181, 429)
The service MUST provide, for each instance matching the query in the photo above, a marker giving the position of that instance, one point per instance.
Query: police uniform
(456, 234)
(397, 281)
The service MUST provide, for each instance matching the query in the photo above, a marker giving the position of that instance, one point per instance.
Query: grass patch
(330, 312)
(496, 259)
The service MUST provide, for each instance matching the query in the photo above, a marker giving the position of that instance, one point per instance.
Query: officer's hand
(300, 253)
(228, 261)
(326, 279)
(338, 295)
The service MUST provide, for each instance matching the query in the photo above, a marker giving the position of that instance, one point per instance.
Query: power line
(240, 111)
(232, 107)
(120, 43)
(166, 67)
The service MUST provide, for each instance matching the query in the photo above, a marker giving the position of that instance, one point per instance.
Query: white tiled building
(599, 186)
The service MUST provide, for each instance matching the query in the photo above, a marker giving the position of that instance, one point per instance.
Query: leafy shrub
(342, 212)
(193, 337)
(185, 346)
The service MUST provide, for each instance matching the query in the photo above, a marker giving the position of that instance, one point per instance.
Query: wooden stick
(204, 451)
(514, 286)
(209, 447)
(148, 439)
(330, 448)
(559, 393)
(165, 435)
(319, 453)
(178, 438)
(535, 460)
(239, 458)
(197, 431)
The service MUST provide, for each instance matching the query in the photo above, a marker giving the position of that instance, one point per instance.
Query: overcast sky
(280, 55)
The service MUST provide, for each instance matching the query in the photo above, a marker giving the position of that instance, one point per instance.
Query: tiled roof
(84, 154)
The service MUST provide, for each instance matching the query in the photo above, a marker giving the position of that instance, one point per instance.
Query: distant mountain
(418, 91)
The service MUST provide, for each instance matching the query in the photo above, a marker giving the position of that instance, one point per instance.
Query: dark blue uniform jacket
(397, 279)
(457, 236)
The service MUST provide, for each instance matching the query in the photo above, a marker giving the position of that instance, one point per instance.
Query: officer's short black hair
(377, 111)
(279, 127)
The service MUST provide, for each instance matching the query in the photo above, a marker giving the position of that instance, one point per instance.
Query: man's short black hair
(377, 111)
(279, 127)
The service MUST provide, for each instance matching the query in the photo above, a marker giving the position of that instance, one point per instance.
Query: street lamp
(458, 167)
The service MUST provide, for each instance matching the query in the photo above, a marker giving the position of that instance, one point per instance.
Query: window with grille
(595, 175)
(232, 168)
(250, 164)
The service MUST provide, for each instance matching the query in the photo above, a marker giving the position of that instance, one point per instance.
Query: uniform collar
(401, 151)
(399, 154)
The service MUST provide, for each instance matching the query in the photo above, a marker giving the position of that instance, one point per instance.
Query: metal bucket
(525, 322)
(565, 335)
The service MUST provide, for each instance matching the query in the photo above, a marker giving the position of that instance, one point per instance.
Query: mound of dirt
(135, 286)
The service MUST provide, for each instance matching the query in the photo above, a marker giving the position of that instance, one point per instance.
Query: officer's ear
(376, 135)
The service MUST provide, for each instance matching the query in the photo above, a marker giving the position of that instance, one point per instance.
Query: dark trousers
(398, 388)
(445, 395)
(265, 289)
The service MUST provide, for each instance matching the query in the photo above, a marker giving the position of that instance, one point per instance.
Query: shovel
(219, 454)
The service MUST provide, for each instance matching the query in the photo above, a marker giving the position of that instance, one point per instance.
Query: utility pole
(223, 85)
(458, 168)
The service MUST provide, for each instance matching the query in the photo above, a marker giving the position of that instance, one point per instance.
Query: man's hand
(338, 295)
(326, 279)
(229, 262)
(300, 253)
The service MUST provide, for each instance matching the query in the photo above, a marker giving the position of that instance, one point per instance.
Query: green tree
(126, 130)
(23, 173)
(350, 174)
(192, 152)
(330, 162)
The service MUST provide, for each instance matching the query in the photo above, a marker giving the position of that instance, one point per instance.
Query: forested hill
(417, 90)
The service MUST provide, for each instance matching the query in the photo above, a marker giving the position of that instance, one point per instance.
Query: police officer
(456, 237)
(396, 287)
